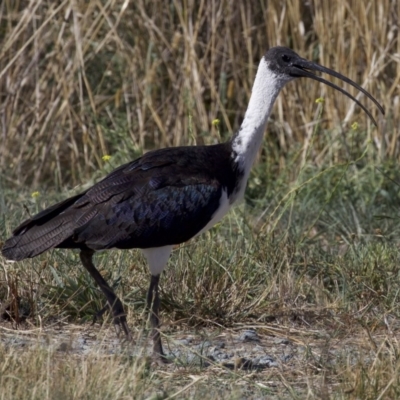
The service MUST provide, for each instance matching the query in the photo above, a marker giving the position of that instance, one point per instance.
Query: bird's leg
(153, 304)
(112, 299)
(99, 314)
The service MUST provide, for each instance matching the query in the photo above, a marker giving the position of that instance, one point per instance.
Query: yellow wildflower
(35, 195)
(320, 100)
(215, 122)
(354, 126)
(106, 157)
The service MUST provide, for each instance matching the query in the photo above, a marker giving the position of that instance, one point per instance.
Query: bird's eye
(285, 58)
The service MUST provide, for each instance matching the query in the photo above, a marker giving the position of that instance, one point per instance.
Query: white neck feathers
(247, 141)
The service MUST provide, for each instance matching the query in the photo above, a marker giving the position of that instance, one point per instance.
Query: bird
(167, 196)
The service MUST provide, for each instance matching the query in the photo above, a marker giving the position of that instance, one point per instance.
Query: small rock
(184, 342)
(282, 341)
(203, 345)
(249, 335)
(223, 356)
(267, 361)
(286, 358)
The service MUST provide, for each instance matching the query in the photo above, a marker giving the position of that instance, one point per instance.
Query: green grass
(311, 256)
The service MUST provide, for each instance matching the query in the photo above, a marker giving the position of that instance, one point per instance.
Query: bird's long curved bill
(304, 68)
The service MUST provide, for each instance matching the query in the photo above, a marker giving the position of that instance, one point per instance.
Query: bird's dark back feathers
(163, 198)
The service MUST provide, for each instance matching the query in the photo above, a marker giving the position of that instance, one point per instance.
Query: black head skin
(284, 61)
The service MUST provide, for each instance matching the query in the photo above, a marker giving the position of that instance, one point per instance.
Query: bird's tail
(44, 231)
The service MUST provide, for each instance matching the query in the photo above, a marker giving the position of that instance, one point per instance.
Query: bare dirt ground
(247, 347)
(284, 361)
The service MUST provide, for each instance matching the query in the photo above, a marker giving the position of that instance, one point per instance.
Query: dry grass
(313, 258)
(82, 79)
(323, 368)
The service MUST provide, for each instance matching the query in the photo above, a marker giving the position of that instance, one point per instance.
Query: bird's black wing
(150, 205)
(165, 197)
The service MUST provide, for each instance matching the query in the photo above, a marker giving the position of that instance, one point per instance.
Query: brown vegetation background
(81, 79)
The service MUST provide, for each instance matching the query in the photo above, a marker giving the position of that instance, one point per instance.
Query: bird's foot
(120, 323)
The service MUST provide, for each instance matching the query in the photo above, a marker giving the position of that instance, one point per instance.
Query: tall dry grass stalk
(78, 78)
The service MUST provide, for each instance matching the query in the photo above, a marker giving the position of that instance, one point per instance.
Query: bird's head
(288, 65)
